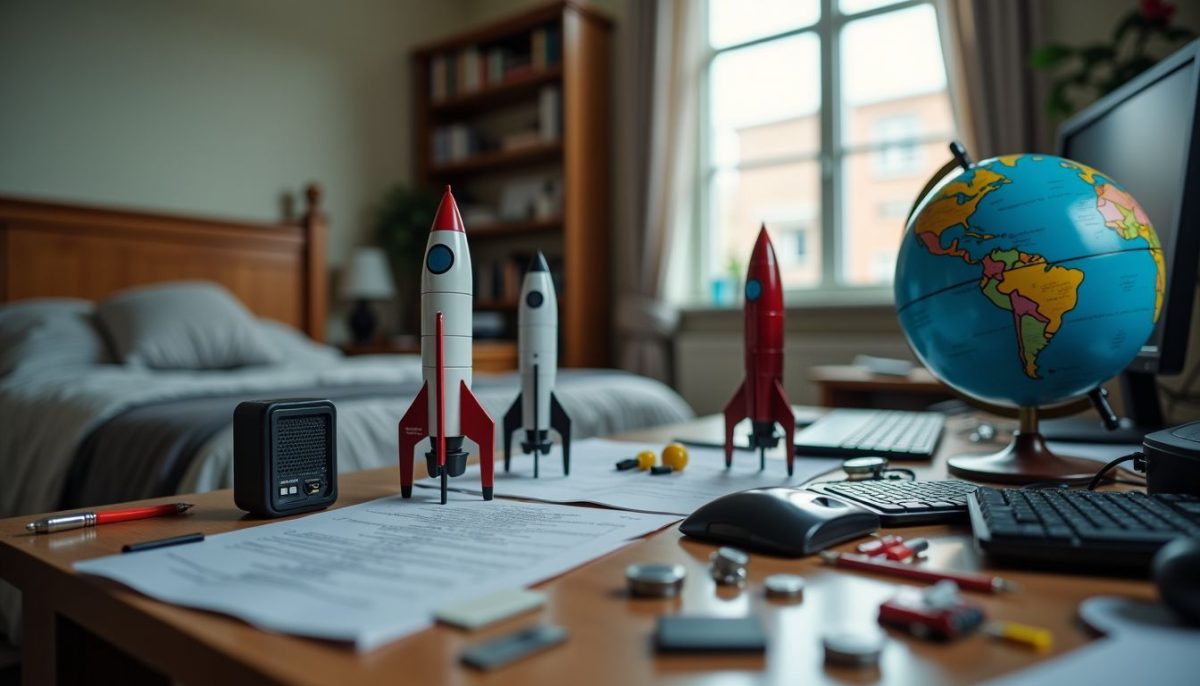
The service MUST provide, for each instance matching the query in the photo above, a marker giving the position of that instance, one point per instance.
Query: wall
(708, 346)
(216, 107)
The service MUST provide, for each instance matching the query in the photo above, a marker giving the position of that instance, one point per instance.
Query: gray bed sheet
(185, 445)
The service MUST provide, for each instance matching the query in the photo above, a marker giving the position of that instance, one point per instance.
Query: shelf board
(500, 159)
(514, 228)
(520, 88)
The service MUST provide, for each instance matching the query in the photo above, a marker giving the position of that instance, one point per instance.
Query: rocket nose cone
(447, 217)
(763, 245)
(538, 263)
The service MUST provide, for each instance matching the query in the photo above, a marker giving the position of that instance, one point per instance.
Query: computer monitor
(1145, 135)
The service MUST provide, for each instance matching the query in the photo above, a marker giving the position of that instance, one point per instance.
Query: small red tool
(967, 581)
(79, 520)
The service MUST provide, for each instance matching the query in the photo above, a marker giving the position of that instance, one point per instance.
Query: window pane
(855, 6)
(878, 187)
(902, 96)
(734, 21)
(765, 101)
(787, 197)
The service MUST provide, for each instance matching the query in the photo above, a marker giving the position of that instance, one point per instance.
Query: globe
(1028, 280)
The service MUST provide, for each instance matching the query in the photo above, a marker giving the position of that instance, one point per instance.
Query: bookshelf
(515, 116)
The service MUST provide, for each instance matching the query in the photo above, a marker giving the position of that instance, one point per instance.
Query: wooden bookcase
(500, 75)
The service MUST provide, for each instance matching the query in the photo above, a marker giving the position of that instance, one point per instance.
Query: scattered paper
(595, 480)
(370, 573)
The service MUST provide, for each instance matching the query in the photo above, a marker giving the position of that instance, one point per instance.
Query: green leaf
(1179, 33)
(1131, 20)
(1049, 55)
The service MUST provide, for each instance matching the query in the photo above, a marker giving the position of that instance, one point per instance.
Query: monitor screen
(1143, 142)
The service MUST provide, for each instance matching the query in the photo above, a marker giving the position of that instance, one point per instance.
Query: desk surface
(609, 633)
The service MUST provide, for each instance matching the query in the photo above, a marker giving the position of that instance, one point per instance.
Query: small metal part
(660, 469)
(728, 566)
(861, 468)
(853, 648)
(52, 524)
(784, 586)
(626, 465)
(651, 580)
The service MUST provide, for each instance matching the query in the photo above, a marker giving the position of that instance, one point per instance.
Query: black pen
(162, 543)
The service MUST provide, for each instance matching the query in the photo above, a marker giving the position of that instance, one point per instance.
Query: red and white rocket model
(761, 396)
(536, 408)
(446, 410)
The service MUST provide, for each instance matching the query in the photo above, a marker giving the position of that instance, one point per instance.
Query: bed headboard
(277, 270)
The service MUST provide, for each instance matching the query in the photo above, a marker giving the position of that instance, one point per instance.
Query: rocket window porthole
(439, 259)
(535, 299)
(753, 289)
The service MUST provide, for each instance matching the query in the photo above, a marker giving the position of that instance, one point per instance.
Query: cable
(1139, 464)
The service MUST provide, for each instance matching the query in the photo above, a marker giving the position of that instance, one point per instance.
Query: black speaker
(284, 456)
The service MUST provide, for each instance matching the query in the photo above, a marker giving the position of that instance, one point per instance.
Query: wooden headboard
(277, 270)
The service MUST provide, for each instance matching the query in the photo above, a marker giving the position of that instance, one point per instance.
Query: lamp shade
(368, 276)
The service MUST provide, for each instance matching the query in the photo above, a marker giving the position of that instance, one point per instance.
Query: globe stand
(1025, 460)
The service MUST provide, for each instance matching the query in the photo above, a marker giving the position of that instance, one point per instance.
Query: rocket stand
(1025, 460)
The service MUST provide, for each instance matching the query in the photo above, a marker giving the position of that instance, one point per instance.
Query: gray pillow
(297, 349)
(183, 325)
(48, 333)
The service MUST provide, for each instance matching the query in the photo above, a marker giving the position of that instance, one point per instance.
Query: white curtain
(663, 72)
(997, 97)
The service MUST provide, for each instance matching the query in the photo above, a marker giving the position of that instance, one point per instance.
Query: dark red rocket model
(761, 396)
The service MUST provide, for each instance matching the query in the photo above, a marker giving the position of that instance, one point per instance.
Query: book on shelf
(550, 113)
(454, 142)
(476, 67)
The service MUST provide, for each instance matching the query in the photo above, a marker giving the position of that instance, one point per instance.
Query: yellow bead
(645, 459)
(675, 456)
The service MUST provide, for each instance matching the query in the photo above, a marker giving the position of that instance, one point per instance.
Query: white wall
(214, 107)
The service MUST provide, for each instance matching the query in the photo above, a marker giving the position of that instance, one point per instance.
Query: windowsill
(841, 299)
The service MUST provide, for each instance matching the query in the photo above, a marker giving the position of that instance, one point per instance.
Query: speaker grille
(301, 445)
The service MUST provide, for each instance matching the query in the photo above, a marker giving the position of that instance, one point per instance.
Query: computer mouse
(1177, 574)
(779, 521)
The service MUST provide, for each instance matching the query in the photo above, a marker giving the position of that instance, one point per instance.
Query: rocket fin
(560, 422)
(478, 426)
(781, 412)
(734, 413)
(512, 422)
(414, 428)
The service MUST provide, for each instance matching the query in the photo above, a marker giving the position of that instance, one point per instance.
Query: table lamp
(368, 277)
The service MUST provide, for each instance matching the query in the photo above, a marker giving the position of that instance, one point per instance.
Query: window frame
(830, 289)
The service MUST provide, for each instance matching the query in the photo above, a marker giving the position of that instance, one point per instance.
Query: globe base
(1026, 460)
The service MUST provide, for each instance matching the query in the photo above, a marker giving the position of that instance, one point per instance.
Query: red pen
(78, 520)
(965, 580)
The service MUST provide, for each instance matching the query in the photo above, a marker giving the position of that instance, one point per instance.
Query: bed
(79, 435)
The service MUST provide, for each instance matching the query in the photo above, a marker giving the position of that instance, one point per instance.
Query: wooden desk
(486, 355)
(851, 386)
(609, 633)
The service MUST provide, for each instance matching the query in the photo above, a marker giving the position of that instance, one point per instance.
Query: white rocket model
(536, 408)
(445, 409)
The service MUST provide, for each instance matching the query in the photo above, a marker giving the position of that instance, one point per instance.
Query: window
(823, 119)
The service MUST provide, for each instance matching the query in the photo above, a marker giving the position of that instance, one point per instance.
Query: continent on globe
(1037, 294)
(1125, 216)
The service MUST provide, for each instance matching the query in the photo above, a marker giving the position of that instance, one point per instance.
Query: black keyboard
(1102, 531)
(890, 433)
(901, 503)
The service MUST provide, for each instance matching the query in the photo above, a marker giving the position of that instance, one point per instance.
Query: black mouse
(779, 521)
(1177, 573)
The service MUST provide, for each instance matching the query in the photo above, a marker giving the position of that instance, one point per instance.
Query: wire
(1139, 464)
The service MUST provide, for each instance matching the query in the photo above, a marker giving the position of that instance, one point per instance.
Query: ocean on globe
(1028, 280)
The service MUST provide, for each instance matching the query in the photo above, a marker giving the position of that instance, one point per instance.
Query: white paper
(594, 478)
(373, 572)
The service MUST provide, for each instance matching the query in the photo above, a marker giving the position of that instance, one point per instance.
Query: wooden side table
(851, 386)
(487, 356)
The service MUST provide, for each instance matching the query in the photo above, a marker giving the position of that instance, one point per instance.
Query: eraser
(491, 608)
